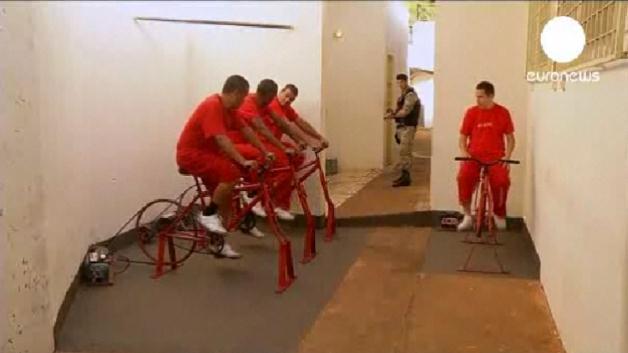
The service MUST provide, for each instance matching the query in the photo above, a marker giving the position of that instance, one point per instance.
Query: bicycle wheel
(163, 215)
(248, 222)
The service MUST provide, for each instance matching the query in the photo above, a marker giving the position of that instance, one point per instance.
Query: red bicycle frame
(307, 169)
(484, 218)
(257, 183)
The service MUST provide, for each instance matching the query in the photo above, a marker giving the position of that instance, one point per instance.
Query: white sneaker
(466, 224)
(283, 214)
(256, 233)
(258, 210)
(227, 252)
(212, 223)
(500, 223)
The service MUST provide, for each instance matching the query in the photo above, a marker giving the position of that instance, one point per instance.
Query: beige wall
(572, 187)
(24, 299)
(97, 102)
(354, 77)
(476, 41)
(578, 208)
(397, 38)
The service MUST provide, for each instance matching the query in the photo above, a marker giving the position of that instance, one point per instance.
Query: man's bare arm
(462, 144)
(510, 145)
(253, 139)
(227, 146)
(259, 125)
(294, 133)
(308, 128)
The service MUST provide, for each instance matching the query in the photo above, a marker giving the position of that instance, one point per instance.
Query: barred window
(604, 24)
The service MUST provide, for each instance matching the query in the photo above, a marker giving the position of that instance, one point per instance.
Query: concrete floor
(344, 185)
(377, 289)
(387, 303)
(378, 197)
(210, 305)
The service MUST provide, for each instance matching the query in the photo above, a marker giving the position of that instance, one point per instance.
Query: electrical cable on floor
(125, 259)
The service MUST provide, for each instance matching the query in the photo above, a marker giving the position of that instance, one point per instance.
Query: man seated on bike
(254, 108)
(205, 150)
(285, 120)
(484, 128)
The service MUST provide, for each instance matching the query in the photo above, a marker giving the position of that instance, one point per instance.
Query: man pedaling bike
(484, 128)
(235, 130)
(205, 150)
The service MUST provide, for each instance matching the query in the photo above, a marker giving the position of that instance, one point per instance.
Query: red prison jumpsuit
(250, 110)
(284, 192)
(486, 129)
(197, 150)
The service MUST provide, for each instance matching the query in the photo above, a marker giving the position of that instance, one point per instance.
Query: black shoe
(405, 180)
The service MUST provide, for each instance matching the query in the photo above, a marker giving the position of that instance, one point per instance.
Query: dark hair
(403, 77)
(487, 87)
(267, 87)
(235, 83)
(293, 88)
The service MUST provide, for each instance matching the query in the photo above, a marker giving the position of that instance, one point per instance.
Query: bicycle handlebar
(507, 161)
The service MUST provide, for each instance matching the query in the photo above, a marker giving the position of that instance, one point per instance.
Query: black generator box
(96, 268)
(450, 220)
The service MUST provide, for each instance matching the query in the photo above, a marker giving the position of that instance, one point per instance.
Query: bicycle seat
(184, 172)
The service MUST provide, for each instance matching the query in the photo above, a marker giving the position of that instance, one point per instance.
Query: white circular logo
(563, 39)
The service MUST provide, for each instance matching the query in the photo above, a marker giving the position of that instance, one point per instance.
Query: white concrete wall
(572, 187)
(421, 51)
(104, 103)
(421, 55)
(577, 208)
(474, 42)
(397, 35)
(354, 73)
(397, 38)
(25, 321)
(425, 91)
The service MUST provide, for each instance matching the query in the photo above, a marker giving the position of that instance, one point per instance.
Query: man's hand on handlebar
(250, 164)
(302, 146)
(505, 164)
(270, 156)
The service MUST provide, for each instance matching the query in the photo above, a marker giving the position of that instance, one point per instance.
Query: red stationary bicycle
(172, 224)
(298, 178)
(484, 222)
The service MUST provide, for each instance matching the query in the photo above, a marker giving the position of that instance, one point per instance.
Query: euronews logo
(563, 41)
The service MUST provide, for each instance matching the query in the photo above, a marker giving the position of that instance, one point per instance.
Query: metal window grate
(539, 13)
(604, 24)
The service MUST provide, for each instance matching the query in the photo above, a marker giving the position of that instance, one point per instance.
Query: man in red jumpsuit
(256, 110)
(283, 119)
(484, 129)
(205, 150)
